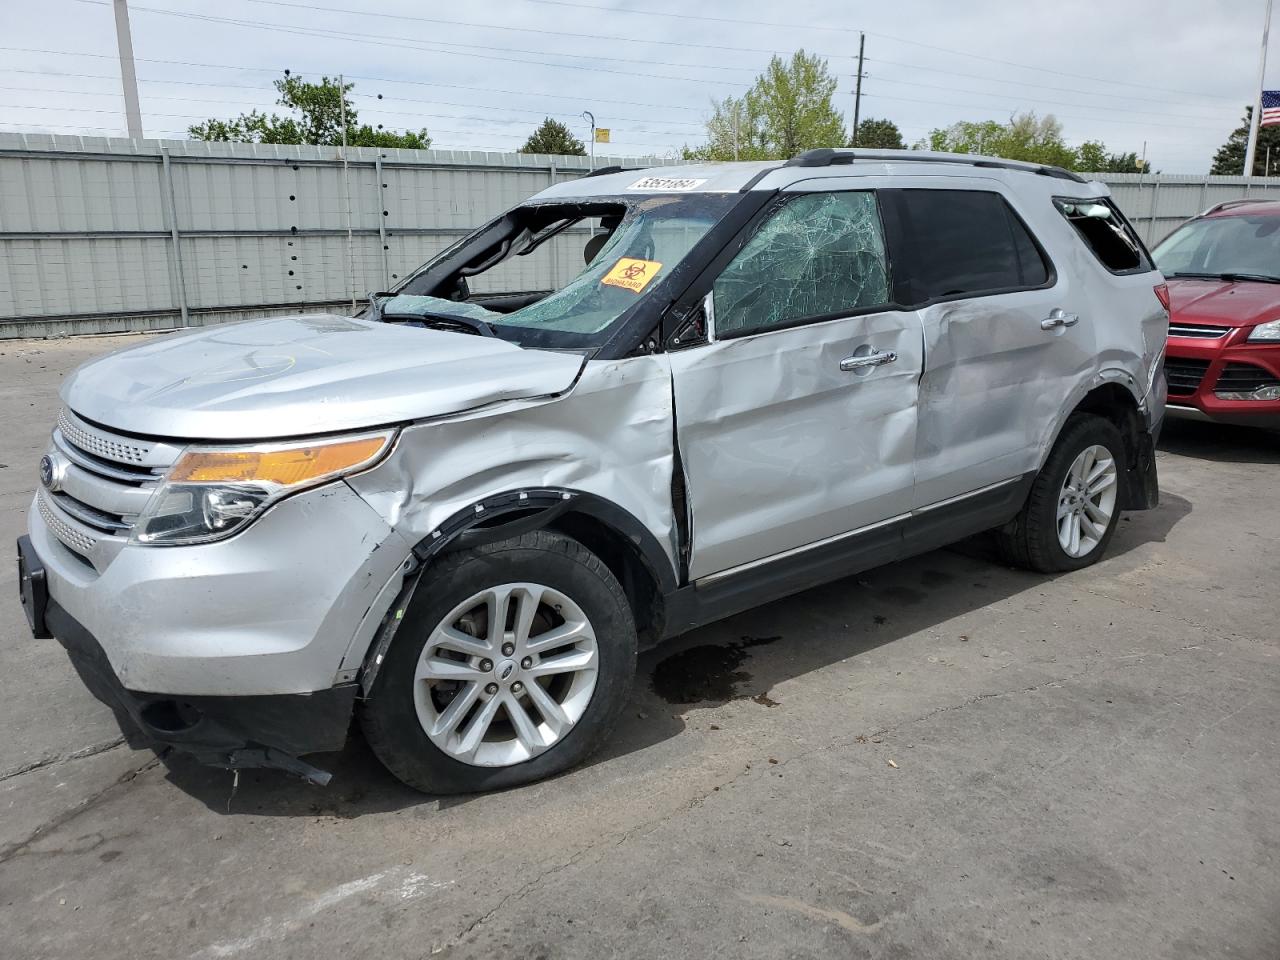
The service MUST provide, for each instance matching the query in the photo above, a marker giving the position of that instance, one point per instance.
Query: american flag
(1271, 108)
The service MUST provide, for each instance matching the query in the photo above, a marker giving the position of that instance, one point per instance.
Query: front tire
(512, 663)
(1074, 504)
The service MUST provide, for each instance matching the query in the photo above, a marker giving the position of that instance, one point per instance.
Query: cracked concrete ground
(962, 759)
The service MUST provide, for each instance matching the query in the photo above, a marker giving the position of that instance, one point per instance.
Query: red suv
(1223, 271)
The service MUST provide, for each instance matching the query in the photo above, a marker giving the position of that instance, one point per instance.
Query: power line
(382, 40)
(737, 21)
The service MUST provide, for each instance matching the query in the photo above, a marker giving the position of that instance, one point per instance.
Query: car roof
(1244, 207)
(736, 177)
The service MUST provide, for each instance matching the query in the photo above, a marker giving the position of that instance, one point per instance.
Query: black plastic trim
(533, 508)
(231, 732)
(698, 604)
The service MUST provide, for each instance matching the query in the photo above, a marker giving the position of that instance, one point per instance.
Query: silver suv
(462, 513)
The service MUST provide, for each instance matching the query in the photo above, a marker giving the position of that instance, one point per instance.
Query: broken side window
(819, 255)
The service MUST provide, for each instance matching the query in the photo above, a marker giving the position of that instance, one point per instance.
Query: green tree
(1025, 137)
(1092, 157)
(788, 110)
(554, 137)
(878, 135)
(318, 109)
(1229, 160)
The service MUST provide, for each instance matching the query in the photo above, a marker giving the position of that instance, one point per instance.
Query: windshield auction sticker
(667, 183)
(633, 275)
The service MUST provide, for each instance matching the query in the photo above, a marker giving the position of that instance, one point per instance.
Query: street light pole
(1252, 150)
(590, 118)
(124, 43)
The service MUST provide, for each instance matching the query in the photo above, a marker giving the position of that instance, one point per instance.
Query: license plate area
(33, 589)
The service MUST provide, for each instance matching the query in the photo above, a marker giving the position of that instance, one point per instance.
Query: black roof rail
(826, 157)
(605, 171)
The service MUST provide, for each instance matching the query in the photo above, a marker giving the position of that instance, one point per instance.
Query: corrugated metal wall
(101, 235)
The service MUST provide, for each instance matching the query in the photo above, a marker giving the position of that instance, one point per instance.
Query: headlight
(1266, 333)
(212, 492)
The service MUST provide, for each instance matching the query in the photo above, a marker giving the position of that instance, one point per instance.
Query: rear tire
(512, 663)
(1074, 504)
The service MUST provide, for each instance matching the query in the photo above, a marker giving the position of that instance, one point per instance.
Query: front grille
(69, 535)
(1198, 331)
(1244, 378)
(1184, 375)
(121, 449)
(103, 482)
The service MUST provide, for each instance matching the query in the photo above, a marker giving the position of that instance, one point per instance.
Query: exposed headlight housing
(1266, 333)
(214, 491)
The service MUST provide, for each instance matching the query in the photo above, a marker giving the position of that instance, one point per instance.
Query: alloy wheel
(506, 674)
(1087, 501)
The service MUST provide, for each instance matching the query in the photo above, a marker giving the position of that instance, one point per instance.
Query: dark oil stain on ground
(708, 673)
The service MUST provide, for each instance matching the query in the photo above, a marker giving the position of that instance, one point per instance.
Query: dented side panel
(610, 436)
(782, 448)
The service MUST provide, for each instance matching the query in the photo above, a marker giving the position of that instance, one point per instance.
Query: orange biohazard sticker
(633, 275)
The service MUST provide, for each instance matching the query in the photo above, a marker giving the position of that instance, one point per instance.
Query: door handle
(1059, 318)
(870, 360)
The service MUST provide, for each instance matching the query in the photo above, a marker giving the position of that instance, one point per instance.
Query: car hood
(1227, 303)
(293, 376)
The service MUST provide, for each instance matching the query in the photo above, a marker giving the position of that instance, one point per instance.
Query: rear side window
(968, 243)
(1106, 232)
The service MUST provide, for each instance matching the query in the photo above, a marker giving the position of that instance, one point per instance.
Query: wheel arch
(625, 545)
(1114, 401)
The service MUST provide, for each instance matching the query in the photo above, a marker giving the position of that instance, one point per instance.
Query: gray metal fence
(103, 235)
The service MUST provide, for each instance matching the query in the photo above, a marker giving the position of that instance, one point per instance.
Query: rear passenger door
(1006, 337)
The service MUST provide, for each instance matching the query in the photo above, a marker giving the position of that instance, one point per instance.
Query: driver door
(797, 421)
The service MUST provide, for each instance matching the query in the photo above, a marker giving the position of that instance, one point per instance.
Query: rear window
(969, 243)
(1106, 232)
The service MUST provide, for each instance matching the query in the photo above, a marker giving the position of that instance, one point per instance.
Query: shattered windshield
(819, 254)
(594, 260)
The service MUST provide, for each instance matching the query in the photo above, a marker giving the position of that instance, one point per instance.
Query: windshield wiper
(446, 320)
(1229, 277)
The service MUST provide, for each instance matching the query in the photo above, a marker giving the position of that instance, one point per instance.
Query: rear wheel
(511, 663)
(1071, 513)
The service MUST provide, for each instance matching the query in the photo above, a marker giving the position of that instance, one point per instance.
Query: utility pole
(346, 188)
(1251, 151)
(124, 42)
(858, 85)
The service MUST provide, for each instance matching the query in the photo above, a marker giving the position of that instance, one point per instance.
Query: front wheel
(1074, 505)
(511, 663)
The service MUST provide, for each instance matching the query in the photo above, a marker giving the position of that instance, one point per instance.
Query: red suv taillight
(1162, 294)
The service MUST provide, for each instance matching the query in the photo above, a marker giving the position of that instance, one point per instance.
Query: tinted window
(1106, 232)
(968, 242)
(818, 255)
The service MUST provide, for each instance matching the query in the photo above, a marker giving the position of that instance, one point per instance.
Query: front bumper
(1201, 368)
(231, 732)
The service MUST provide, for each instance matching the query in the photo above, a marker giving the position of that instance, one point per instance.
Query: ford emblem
(50, 475)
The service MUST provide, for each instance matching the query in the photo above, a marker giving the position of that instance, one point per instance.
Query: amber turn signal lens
(287, 466)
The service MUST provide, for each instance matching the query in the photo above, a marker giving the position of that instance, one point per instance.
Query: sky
(1173, 75)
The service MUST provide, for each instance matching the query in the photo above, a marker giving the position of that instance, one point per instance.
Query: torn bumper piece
(229, 732)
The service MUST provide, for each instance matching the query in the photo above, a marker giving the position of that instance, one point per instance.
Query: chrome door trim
(744, 567)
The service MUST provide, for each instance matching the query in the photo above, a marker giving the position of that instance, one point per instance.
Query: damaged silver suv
(460, 514)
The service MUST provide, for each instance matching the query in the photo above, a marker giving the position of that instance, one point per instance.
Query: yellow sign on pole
(602, 134)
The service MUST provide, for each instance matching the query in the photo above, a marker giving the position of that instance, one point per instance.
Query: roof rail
(826, 157)
(605, 171)
(1228, 204)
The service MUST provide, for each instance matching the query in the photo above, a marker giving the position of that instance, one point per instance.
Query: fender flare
(524, 510)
